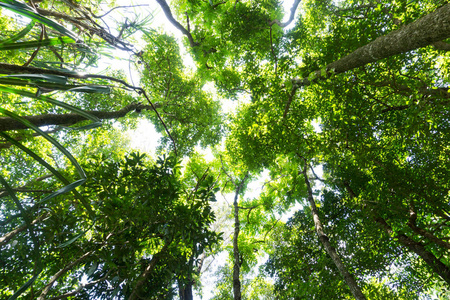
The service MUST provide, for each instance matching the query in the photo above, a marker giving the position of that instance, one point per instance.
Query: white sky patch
(144, 138)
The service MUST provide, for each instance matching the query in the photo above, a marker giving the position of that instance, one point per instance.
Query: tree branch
(166, 9)
(7, 123)
(8, 236)
(55, 277)
(354, 288)
(291, 17)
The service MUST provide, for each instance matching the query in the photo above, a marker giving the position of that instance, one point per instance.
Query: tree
(359, 89)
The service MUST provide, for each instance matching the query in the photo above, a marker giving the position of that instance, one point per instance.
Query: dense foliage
(342, 110)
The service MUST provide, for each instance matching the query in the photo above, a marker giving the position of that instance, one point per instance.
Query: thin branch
(8, 236)
(148, 270)
(14, 69)
(33, 55)
(117, 7)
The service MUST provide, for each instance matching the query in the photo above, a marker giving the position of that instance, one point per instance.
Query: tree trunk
(8, 236)
(425, 31)
(236, 254)
(431, 260)
(423, 232)
(185, 291)
(417, 247)
(148, 270)
(354, 288)
(60, 273)
(7, 123)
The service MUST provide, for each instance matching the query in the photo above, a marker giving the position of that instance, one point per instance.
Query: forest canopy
(304, 150)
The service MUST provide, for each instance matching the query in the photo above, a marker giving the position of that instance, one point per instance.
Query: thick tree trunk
(354, 288)
(7, 123)
(431, 260)
(425, 31)
(185, 291)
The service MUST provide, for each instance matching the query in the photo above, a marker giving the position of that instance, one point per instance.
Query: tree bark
(432, 261)
(185, 291)
(423, 232)
(430, 29)
(354, 288)
(443, 46)
(7, 123)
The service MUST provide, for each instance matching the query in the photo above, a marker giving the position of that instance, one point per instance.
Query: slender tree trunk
(148, 270)
(7, 237)
(60, 273)
(432, 28)
(430, 259)
(423, 232)
(417, 247)
(354, 288)
(236, 255)
(7, 123)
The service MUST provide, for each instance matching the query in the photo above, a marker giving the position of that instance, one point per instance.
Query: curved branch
(166, 9)
(291, 17)
(7, 237)
(14, 69)
(79, 289)
(117, 7)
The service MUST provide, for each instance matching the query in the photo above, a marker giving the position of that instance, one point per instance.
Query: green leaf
(53, 101)
(51, 169)
(29, 12)
(36, 44)
(47, 137)
(19, 35)
(24, 287)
